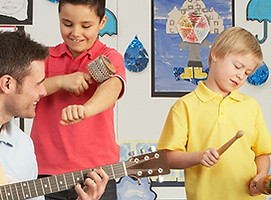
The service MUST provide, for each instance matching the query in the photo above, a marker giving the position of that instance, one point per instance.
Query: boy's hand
(253, 191)
(94, 185)
(76, 83)
(72, 114)
(209, 158)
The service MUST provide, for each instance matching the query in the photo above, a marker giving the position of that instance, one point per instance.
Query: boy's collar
(205, 94)
(63, 49)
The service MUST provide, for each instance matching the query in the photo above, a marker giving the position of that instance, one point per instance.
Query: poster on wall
(16, 12)
(182, 34)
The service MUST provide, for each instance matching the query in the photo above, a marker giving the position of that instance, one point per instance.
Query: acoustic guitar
(147, 165)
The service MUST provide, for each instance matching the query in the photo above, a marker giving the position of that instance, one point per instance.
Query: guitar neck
(55, 183)
(151, 164)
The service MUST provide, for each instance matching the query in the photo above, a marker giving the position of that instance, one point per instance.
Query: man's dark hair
(97, 5)
(17, 52)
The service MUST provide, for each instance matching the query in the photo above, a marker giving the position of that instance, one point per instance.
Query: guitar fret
(61, 182)
(78, 177)
(46, 185)
(38, 186)
(56, 183)
(32, 189)
(112, 169)
(119, 172)
(13, 195)
(22, 189)
(26, 190)
(1, 194)
(19, 190)
(69, 180)
(6, 192)
(53, 184)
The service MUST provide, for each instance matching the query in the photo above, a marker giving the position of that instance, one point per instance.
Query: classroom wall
(138, 115)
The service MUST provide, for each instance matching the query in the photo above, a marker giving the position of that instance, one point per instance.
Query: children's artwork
(260, 10)
(183, 31)
(260, 76)
(136, 57)
(130, 189)
(15, 12)
(110, 27)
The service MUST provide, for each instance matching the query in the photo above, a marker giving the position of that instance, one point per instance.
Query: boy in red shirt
(90, 143)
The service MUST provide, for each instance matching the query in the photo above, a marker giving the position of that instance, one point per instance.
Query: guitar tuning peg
(152, 149)
(160, 179)
(142, 151)
(131, 154)
(139, 182)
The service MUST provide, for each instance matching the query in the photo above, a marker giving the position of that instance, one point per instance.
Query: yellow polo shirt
(203, 119)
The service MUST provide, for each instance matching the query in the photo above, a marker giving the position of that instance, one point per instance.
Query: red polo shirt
(87, 144)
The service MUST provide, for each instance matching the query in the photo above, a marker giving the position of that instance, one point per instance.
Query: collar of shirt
(5, 137)
(205, 94)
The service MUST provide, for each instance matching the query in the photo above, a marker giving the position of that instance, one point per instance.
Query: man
(21, 87)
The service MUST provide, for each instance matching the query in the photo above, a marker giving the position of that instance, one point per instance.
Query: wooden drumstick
(223, 148)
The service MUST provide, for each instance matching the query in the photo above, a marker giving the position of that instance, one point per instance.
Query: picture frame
(182, 34)
(16, 12)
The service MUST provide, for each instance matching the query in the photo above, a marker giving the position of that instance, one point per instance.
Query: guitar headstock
(151, 164)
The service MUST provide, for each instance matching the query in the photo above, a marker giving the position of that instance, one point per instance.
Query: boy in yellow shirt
(203, 120)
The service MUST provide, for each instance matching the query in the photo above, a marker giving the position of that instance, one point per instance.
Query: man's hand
(94, 185)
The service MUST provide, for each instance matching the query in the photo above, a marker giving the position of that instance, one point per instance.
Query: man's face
(23, 100)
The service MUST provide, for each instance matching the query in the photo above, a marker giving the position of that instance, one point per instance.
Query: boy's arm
(74, 83)
(103, 98)
(263, 165)
(180, 160)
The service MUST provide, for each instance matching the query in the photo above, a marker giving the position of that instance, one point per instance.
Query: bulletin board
(182, 33)
(16, 12)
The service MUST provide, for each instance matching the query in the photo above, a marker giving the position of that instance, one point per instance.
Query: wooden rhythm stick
(263, 185)
(101, 69)
(223, 148)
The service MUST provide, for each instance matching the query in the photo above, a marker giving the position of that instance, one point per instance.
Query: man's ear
(6, 83)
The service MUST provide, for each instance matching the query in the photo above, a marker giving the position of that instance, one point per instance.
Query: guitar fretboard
(55, 183)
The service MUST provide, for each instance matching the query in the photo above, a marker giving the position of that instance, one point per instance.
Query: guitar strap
(3, 179)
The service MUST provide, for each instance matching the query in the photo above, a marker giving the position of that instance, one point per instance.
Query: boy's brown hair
(235, 40)
(97, 5)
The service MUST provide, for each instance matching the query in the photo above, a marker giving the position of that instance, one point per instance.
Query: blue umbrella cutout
(110, 27)
(260, 76)
(136, 57)
(260, 10)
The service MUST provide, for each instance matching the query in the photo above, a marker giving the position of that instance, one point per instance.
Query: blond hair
(235, 40)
